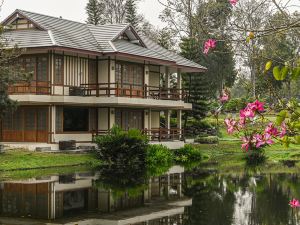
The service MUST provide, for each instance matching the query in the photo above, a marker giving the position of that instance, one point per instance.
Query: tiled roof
(103, 39)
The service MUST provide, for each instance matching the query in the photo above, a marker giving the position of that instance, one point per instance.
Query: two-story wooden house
(87, 78)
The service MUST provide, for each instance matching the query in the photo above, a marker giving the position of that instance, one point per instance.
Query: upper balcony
(72, 79)
(102, 90)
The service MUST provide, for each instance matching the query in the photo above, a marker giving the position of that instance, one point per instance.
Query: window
(75, 119)
(129, 74)
(42, 69)
(129, 119)
(58, 70)
(92, 71)
(37, 65)
(21, 24)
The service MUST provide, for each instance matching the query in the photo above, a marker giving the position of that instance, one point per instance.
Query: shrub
(123, 148)
(159, 159)
(187, 154)
(207, 140)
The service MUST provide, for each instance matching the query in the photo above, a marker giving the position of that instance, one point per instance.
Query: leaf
(281, 116)
(296, 73)
(280, 74)
(248, 39)
(268, 65)
(284, 72)
(297, 139)
(286, 142)
(276, 72)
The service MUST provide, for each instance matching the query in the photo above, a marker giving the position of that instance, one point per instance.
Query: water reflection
(242, 199)
(132, 198)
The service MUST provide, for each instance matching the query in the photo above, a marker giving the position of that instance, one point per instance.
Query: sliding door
(26, 124)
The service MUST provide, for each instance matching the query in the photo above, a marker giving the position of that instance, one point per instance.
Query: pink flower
(230, 123)
(233, 2)
(261, 140)
(247, 113)
(258, 140)
(246, 143)
(209, 44)
(242, 122)
(283, 130)
(224, 98)
(294, 203)
(256, 106)
(272, 130)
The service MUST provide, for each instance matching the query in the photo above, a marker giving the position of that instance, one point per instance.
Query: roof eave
(189, 69)
(127, 55)
(4, 22)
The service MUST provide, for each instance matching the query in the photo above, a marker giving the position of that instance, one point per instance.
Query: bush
(187, 154)
(159, 159)
(207, 140)
(235, 104)
(123, 148)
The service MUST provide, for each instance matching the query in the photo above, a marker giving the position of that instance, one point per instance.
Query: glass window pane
(76, 119)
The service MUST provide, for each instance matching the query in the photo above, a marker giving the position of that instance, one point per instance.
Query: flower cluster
(233, 2)
(294, 203)
(224, 97)
(252, 138)
(209, 44)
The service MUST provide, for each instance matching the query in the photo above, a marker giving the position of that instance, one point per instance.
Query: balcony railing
(32, 87)
(131, 91)
(101, 90)
(156, 134)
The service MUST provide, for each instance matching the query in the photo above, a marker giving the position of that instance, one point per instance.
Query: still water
(179, 197)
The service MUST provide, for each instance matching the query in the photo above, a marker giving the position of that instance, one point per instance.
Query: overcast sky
(74, 9)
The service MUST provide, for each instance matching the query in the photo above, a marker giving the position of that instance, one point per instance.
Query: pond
(179, 197)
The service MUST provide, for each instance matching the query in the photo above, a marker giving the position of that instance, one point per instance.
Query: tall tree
(10, 73)
(94, 11)
(131, 13)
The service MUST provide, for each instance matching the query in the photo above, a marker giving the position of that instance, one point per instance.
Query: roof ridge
(25, 11)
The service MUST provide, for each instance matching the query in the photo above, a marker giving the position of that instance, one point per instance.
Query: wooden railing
(32, 87)
(164, 134)
(101, 90)
(132, 91)
(156, 134)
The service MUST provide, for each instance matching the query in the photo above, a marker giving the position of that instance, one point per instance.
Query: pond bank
(228, 156)
(24, 160)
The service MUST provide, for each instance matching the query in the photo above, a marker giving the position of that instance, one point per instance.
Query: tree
(94, 10)
(10, 74)
(131, 13)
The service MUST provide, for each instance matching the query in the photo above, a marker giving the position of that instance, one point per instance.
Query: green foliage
(235, 104)
(207, 140)
(187, 154)
(10, 74)
(94, 10)
(131, 13)
(159, 159)
(280, 74)
(123, 148)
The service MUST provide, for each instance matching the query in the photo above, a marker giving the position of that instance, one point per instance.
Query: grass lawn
(21, 159)
(227, 156)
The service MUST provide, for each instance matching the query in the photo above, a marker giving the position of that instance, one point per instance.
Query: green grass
(21, 160)
(227, 157)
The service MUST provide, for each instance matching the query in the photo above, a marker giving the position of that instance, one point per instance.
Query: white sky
(74, 9)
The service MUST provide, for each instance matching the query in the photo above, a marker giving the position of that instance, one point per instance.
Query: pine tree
(197, 85)
(131, 13)
(94, 12)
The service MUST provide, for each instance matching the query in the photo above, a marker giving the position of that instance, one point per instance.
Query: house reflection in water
(58, 197)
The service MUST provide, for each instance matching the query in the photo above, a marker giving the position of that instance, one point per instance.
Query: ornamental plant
(254, 130)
